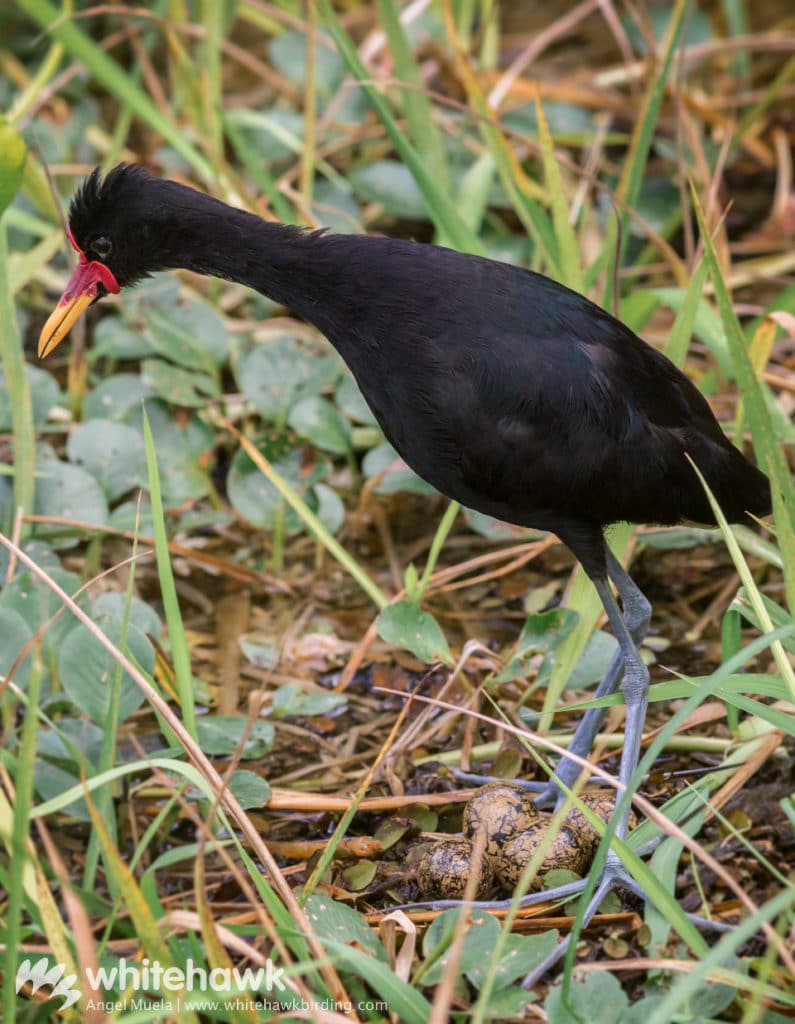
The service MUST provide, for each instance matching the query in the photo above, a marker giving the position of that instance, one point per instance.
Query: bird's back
(519, 397)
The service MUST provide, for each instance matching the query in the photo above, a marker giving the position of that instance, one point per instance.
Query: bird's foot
(614, 876)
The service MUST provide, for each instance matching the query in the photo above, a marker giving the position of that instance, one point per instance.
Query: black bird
(505, 390)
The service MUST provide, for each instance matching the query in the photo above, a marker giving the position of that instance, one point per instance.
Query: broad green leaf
(288, 52)
(277, 373)
(115, 604)
(519, 955)
(479, 941)
(290, 700)
(112, 453)
(391, 185)
(183, 445)
(257, 500)
(37, 604)
(318, 421)
(115, 396)
(249, 789)
(87, 670)
(332, 920)
(44, 396)
(351, 401)
(395, 474)
(191, 334)
(330, 507)
(115, 339)
(598, 998)
(177, 386)
(405, 625)
(220, 735)
(335, 208)
(80, 733)
(67, 491)
(541, 634)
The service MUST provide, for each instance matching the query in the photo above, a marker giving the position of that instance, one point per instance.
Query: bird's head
(113, 223)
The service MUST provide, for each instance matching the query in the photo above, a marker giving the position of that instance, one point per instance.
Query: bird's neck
(283, 262)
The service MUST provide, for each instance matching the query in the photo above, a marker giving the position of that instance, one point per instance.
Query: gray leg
(635, 687)
(635, 623)
(627, 663)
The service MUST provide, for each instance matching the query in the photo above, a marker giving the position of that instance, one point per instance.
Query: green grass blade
(109, 74)
(769, 454)
(419, 112)
(440, 208)
(12, 161)
(568, 251)
(631, 179)
(180, 652)
(682, 330)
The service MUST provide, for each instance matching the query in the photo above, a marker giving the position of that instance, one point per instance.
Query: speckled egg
(569, 850)
(445, 866)
(501, 810)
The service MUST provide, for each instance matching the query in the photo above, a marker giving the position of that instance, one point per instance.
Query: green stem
(439, 538)
(16, 382)
(312, 523)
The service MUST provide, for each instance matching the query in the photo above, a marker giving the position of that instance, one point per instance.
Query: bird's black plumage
(504, 389)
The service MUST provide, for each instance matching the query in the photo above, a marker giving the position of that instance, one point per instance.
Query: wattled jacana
(505, 390)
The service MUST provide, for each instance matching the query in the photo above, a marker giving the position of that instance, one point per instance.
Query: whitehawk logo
(41, 974)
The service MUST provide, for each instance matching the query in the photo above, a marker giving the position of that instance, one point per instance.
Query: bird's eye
(102, 247)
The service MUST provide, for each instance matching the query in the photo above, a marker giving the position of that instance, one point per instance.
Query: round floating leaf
(335, 208)
(67, 491)
(44, 395)
(319, 422)
(341, 924)
(129, 516)
(330, 508)
(249, 789)
(113, 397)
(220, 735)
(257, 500)
(192, 334)
(183, 445)
(288, 53)
(177, 386)
(476, 950)
(116, 339)
(87, 670)
(391, 185)
(404, 624)
(85, 736)
(113, 454)
(274, 136)
(597, 998)
(31, 598)
(276, 374)
(113, 604)
(396, 476)
(351, 401)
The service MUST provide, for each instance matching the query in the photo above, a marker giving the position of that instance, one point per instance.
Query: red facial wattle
(90, 280)
(87, 275)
